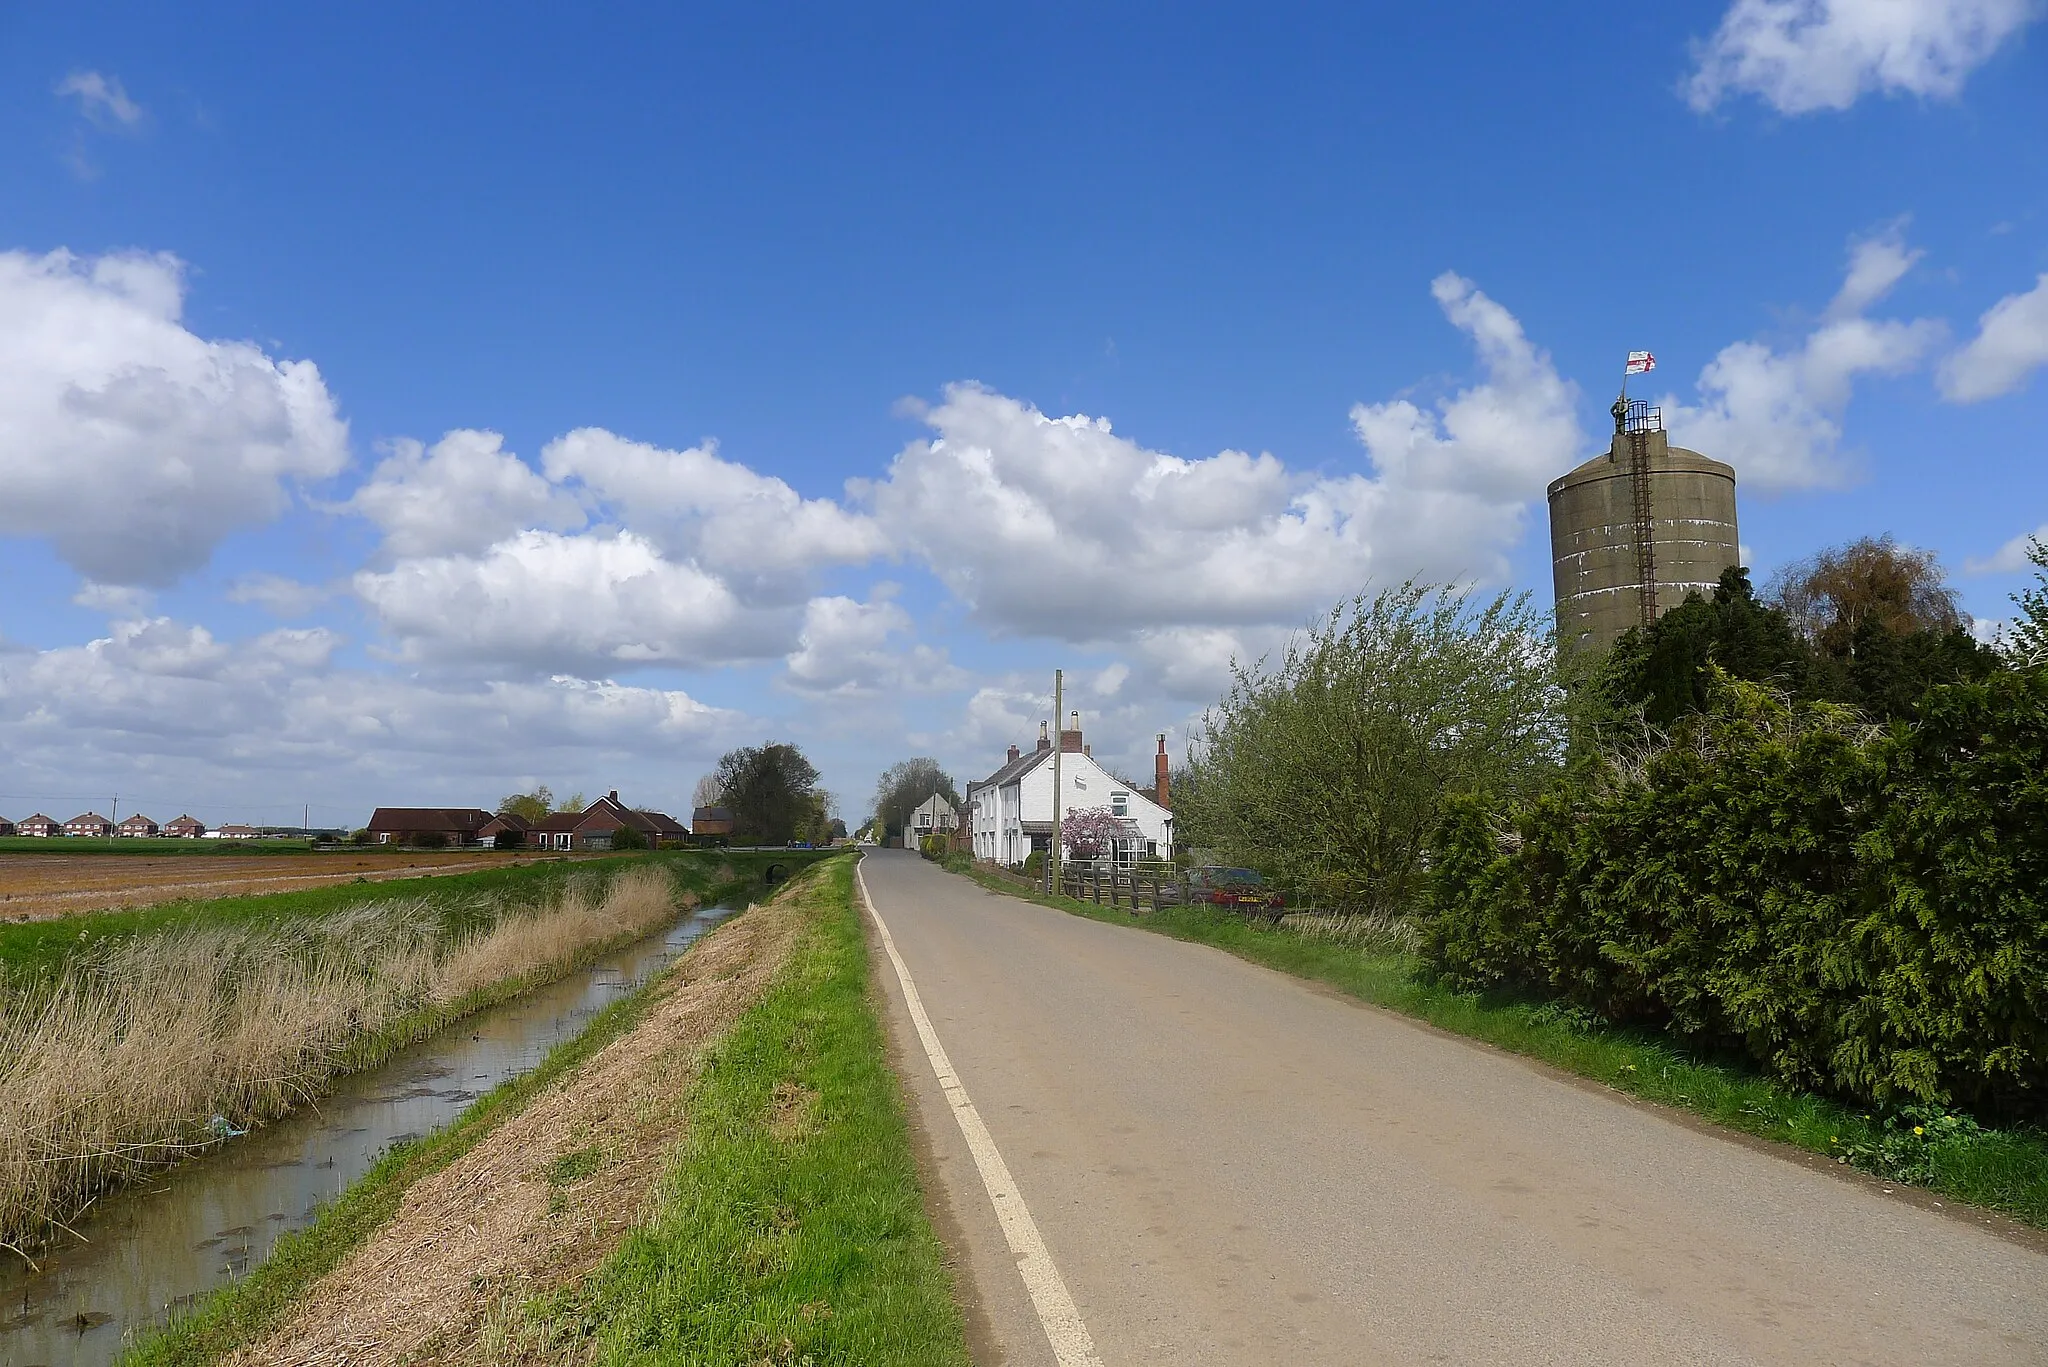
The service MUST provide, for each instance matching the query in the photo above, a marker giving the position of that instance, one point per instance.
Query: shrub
(430, 840)
(628, 838)
(1859, 911)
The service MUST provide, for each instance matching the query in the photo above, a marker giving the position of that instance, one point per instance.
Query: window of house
(1119, 804)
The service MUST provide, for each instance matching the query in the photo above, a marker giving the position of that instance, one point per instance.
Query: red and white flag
(1640, 363)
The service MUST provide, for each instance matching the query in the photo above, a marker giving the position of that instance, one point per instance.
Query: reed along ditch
(151, 1250)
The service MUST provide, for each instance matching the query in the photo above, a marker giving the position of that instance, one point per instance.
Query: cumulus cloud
(848, 648)
(101, 98)
(2011, 343)
(167, 709)
(695, 504)
(548, 601)
(277, 594)
(2009, 558)
(130, 443)
(1062, 527)
(1799, 56)
(1776, 416)
(464, 493)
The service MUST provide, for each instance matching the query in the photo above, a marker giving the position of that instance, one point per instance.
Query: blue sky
(778, 316)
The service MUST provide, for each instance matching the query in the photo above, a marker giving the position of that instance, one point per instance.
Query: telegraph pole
(1052, 856)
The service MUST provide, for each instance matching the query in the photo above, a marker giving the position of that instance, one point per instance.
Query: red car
(1240, 889)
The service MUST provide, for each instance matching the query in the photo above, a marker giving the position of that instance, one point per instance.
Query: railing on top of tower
(1641, 417)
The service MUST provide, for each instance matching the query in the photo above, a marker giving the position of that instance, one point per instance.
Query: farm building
(185, 828)
(137, 826)
(592, 828)
(437, 825)
(506, 830)
(711, 821)
(37, 825)
(91, 823)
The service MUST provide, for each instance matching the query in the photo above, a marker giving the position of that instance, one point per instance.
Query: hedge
(1862, 912)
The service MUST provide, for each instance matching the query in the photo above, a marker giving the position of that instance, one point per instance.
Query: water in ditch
(159, 1247)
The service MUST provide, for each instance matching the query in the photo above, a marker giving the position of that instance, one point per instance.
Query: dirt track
(34, 887)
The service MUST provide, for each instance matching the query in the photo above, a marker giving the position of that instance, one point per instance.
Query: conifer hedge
(1861, 911)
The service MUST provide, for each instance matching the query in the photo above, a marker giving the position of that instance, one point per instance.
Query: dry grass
(541, 1200)
(139, 1054)
(1357, 930)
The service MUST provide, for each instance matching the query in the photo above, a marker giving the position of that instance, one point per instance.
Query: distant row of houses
(93, 824)
(593, 828)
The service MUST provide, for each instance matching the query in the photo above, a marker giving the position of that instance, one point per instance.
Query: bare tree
(1874, 580)
(710, 791)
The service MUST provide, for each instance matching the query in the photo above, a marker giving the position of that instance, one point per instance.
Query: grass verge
(245, 1311)
(2002, 1170)
(791, 1228)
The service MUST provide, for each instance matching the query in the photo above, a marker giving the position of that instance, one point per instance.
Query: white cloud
(118, 599)
(695, 504)
(2011, 343)
(180, 719)
(549, 601)
(101, 98)
(1799, 56)
(848, 648)
(1058, 526)
(2010, 558)
(465, 493)
(131, 444)
(1777, 416)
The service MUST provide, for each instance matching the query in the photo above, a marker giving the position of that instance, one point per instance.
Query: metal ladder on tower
(1638, 422)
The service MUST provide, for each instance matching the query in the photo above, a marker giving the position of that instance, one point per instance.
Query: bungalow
(92, 823)
(593, 827)
(233, 832)
(438, 825)
(185, 828)
(138, 825)
(37, 825)
(1012, 809)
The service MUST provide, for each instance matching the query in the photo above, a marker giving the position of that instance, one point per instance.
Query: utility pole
(1052, 856)
(117, 809)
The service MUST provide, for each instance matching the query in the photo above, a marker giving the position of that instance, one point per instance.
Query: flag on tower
(1640, 363)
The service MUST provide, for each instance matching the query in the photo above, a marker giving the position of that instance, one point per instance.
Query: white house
(932, 814)
(1012, 808)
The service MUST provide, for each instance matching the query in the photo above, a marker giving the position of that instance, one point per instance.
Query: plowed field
(35, 886)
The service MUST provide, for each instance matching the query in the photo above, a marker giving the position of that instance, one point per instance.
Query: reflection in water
(159, 1247)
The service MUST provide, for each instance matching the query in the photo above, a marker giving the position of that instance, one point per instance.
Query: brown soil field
(36, 886)
(541, 1199)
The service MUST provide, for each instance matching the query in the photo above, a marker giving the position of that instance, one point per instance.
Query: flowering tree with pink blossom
(1089, 834)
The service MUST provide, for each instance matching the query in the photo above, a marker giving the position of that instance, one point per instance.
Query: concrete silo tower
(1635, 530)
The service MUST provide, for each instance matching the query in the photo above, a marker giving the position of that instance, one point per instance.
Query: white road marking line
(1056, 1311)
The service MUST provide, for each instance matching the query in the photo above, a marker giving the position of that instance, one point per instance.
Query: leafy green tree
(628, 838)
(2026, 643)
(1328, 769)
(773, 792)
(533, 806)
(905, 785)
(1662, 669)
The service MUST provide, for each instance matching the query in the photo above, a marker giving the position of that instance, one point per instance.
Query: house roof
(1014, 770)
(508, 821)
(402, 820)
(47, 820)
(88, 819)
(137, 819)
(238, 830)
(184, 821)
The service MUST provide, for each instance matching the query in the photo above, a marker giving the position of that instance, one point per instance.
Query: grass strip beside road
(2001, 1170)
(792, 1227)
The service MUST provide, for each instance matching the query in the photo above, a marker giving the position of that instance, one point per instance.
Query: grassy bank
(457, 901)
(139, 1050)
(2002, 1170)
(791, 1228)
(788, 1228)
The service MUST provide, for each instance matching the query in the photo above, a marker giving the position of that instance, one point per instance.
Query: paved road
(1229, 1166)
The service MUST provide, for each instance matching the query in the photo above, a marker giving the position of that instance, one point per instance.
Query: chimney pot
(615, 794)
(1014, 752)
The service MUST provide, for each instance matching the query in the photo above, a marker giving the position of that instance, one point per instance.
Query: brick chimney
(615, 794)
(1159, 768)
(1070, 739)
(1014, 752)
(1044, 740)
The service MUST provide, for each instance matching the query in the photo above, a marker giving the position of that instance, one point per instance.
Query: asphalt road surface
(1227, 1165)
